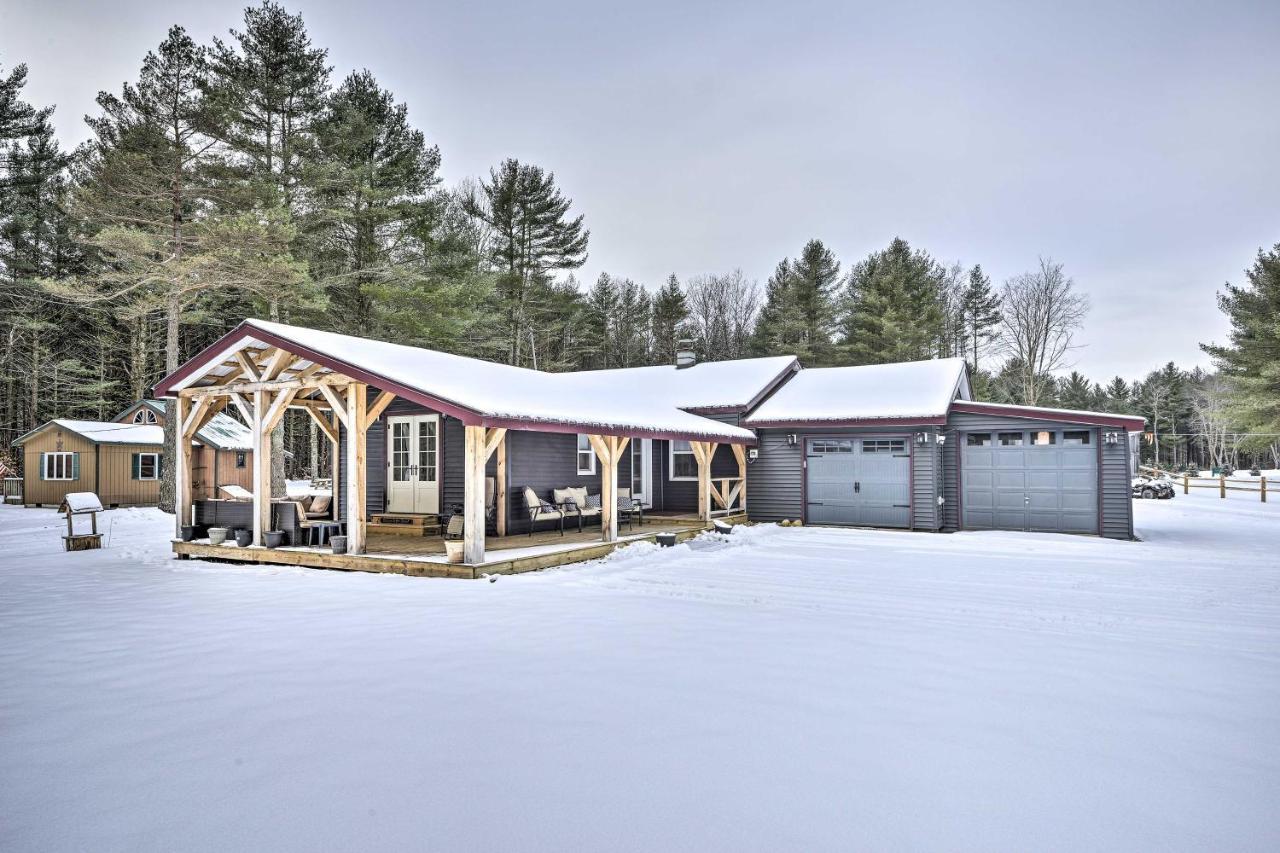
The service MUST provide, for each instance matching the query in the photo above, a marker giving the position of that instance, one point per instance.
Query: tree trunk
(172, 430)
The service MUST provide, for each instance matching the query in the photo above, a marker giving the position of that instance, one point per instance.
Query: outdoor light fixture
(1113, 438)
(753, 454)
(942, 439)
(922, 438)
(791, 439)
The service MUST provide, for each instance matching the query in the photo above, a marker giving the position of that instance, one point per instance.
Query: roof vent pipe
(685, 356)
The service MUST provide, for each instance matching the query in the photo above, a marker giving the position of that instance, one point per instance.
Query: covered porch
(264, 372)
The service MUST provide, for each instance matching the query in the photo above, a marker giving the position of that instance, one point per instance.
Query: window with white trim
(59, 466)
(148, 467)
(586, 456)
(684, 465)
(144, 416)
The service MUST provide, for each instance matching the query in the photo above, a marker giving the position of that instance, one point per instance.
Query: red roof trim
(1130, 422)
(849, 422)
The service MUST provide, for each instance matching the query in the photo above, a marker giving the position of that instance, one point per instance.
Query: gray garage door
(858, 481)
(1030, 480)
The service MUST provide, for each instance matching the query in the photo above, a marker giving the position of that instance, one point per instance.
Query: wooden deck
(425, 556)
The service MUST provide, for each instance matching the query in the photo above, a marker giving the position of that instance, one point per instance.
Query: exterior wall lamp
(922, 438)
(791, 439)
(1113, 438)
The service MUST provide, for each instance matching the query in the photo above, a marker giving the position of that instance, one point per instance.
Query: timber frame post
(261, 468)
(703, 452)
(608, 449)
(181, 469)
(479, 444)
(357, 470)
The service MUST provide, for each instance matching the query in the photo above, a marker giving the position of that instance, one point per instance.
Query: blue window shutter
(137, 467)
(75, 466)
(42, 468)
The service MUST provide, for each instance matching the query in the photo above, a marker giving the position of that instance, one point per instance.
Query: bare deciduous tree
(722, 314)
(1209, 407)
(1041, 314)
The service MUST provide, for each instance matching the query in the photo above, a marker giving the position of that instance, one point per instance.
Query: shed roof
(222, 432)
(645, 401)
(103, 432)
(918, 391)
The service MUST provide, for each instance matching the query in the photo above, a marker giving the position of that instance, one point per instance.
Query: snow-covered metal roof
(911, 390)
(650, 401)
(104, 432)
(225, 433)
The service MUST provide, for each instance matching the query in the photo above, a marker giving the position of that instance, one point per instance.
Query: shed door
(858, 481)
(1030, 480)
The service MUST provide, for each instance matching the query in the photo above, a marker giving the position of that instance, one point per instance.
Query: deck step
(403, 524)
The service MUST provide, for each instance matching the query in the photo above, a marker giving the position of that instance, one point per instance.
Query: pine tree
(670, 312)
(532, 238)
(979, 315)
(1251, 361)
(1076, 392)
(370, 203)
(1118, 396)
(815, 275)
(601, 312)
(779, 328)
(893, 308)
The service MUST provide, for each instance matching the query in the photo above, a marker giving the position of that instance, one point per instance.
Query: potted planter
(244, 537)
(188, 532)
(338, 544)
(217, 535)
(666, 540)
(275, 538)
(453, 550)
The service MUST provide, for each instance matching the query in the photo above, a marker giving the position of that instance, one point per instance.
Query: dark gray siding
(775, 481)
(682, 495)
(950, 475)
(1117, 499)
(1114, 496)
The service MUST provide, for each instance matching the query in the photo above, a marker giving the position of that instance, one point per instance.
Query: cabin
(532, 469)
(122, 460)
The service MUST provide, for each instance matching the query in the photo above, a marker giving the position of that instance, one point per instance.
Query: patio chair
(540, 510)
(456, 524)
(629, 508)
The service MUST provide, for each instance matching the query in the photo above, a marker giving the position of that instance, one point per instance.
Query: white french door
(413, 463)
(642, 470)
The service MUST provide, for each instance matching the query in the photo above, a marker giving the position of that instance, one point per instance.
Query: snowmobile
(1153, 487)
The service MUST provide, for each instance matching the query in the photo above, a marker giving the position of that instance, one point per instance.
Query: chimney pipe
(685, 356)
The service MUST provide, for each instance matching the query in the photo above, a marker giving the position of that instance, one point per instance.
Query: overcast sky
(1137, 143)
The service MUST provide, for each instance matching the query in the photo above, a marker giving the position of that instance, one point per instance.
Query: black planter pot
(275, 538)
(666, 540)
(244, 537)
(188, 532)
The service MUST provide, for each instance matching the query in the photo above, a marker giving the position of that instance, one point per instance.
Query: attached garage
(1043, 479)
(863, 481)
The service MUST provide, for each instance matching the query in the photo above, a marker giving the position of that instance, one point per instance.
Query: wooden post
(473, 495)
(500, 488)
(1186, 484)
(1222, 485)
(335, 469)
(357, 406)
(261, 468)
(181, 467)
(1264, 489)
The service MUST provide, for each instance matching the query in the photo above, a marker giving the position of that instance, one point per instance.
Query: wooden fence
(1257, 486)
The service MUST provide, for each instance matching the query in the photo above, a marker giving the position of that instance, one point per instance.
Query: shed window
(978, 439)
(1044, 436)
(823, 445)
(884, 445)
(1075, 436)
(684, 466)
(1011, 439)
(144, 416)
(146, 466)
(241, 459)
(60, 466)
(586, 456)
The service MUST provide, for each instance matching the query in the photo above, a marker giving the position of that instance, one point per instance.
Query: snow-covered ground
(782, 689)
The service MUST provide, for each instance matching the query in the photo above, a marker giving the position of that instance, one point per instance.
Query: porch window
(586, 456)
(1075, 436)
(684, 465)
(60, 466)
(146, 466)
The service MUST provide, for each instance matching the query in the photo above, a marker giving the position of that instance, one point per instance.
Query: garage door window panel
(1011, 439)
(1075, 437)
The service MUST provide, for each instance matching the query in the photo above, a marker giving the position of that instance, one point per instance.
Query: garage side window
(1011, 439)
(978, 439)
(1044, 437)
(1075, 436)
